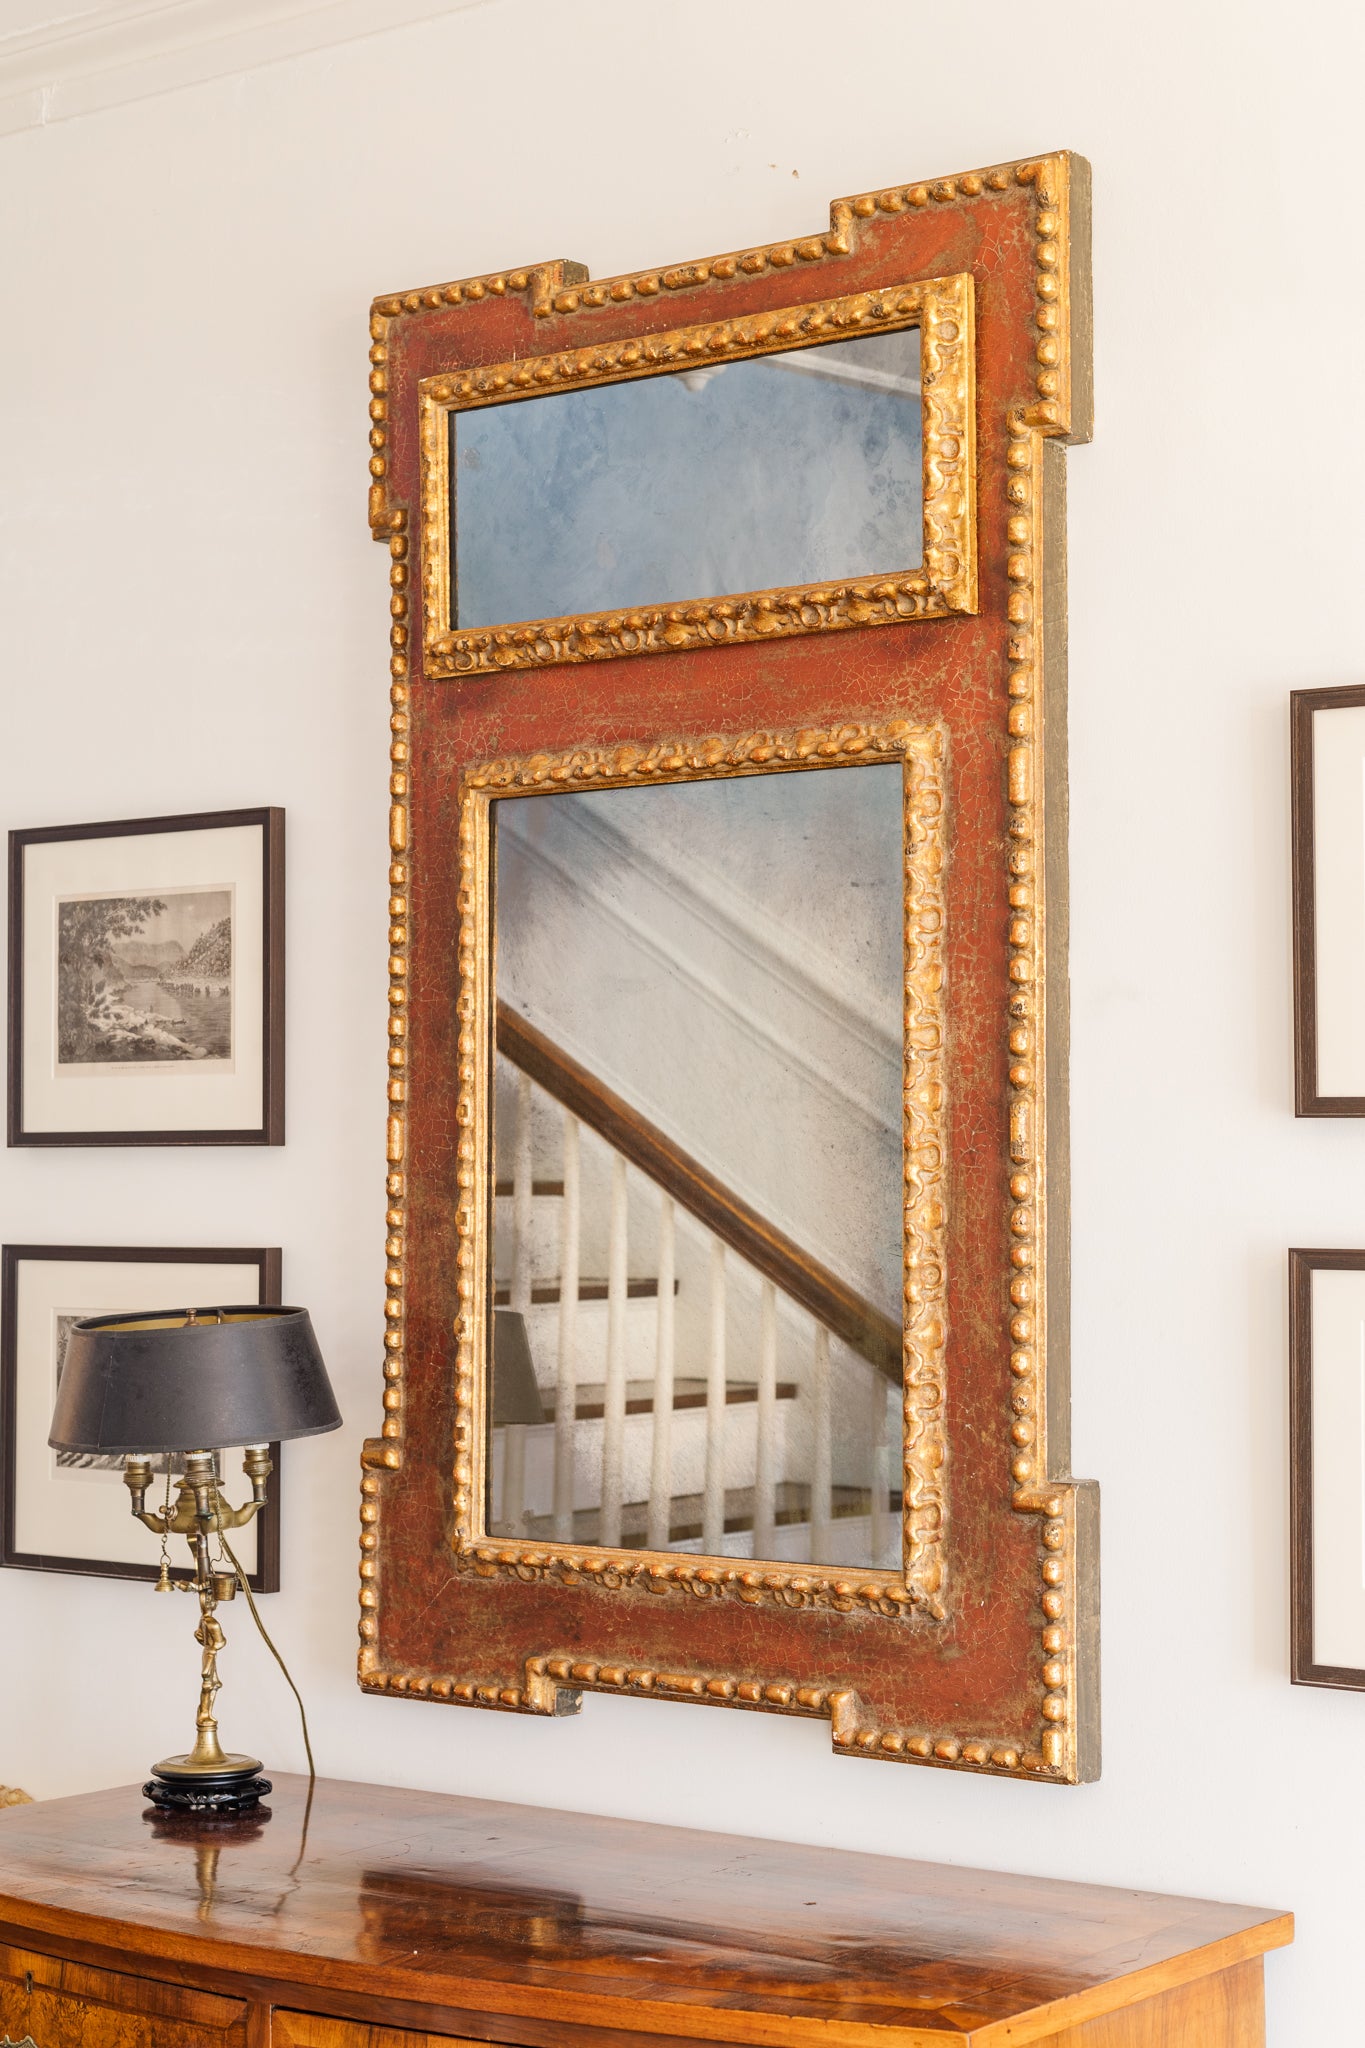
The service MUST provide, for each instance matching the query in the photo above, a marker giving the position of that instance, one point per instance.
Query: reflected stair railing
(734, 1228)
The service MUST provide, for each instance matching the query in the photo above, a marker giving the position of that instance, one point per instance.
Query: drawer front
(311, 2030)
(67, 2005)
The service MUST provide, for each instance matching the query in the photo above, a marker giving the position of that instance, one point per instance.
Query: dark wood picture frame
(1304, 704)
(270, 820)
(267, 1259)
(1304, 1669)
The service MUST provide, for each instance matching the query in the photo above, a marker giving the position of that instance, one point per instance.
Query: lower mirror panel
(700, 991)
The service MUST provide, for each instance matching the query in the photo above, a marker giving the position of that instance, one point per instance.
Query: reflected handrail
(833, 1303)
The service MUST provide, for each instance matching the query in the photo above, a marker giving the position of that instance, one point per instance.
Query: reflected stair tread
(590, 1405)
(547, 1294)
(791, 1506)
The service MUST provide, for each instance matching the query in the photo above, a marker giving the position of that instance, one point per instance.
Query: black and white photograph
(146, 982)
(67, 1511)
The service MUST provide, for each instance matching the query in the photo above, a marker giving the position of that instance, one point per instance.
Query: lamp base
(234, 1786)
(241, 1795)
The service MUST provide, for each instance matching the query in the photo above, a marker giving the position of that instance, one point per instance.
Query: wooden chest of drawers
(46, 2000)
(389, 1919)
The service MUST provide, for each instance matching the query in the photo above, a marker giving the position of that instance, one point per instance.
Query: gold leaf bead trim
(384, 1453)
(1026, 1447)
(548, 1677)
(919, 1586)
(1050, 180)
(564, 289)
(924, 1438)
(943, 309)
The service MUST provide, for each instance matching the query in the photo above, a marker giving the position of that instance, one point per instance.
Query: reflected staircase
(705, 1384)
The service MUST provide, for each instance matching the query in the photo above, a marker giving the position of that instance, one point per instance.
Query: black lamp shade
(157, 1381)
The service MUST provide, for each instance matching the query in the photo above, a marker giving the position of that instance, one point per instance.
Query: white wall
(192, 615)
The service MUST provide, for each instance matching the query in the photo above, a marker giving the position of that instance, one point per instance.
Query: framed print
(61, 1511)
(1326, 1467)
(1328, 755)
(146, 981)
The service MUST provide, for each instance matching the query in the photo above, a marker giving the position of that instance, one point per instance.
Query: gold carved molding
(919, 1585)
(942, 309)
(1059, 410)
(562, 288)
(1028, 1020)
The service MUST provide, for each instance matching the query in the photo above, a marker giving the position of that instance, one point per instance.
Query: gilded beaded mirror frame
(981, 1652)
(940, 308)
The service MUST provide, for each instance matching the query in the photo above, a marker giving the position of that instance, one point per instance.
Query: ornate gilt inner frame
(983, 1653)
(941, 308)
(921, 1578)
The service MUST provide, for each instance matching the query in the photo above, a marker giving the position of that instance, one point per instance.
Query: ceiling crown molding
(66, 61)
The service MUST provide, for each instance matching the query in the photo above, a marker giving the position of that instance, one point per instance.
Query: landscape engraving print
(144, 981)
(77, 1461)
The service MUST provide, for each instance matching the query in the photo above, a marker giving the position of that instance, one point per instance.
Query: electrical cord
(265, 1638)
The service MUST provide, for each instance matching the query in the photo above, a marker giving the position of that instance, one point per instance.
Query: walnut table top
(513, 1923)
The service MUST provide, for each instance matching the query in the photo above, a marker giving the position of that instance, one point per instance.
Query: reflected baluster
(822, 1454)
(523, 1192)
(661, 1461)
(882, 1531)
(566, 1377)
(713, 1494)
(614, 1399)
(765, 1462)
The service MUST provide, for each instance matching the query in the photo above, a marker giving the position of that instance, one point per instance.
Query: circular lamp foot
(236, 1787)
(206, 1795)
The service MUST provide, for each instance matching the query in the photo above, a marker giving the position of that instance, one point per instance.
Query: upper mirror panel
(698, 1160)
(760, 473)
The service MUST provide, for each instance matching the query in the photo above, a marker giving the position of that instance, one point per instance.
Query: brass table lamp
(188, 1382)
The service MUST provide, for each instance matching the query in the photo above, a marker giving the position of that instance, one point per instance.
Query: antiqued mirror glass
(792, 468)
(697, 1240)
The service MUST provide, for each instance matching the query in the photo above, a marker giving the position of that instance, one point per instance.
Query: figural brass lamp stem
(206, 1774)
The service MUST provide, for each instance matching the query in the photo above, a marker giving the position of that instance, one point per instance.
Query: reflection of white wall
(727, 956)
(733, 477)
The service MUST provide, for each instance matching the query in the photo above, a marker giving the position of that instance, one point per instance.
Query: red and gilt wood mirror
(726, 1318)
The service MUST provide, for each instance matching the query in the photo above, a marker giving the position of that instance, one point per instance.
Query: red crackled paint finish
(977, 1672)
